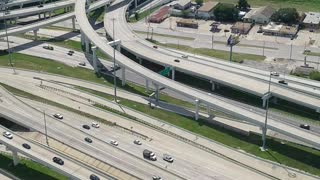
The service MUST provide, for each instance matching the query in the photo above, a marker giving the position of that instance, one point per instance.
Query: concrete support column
(82, 38)
(87, 44)
(94, 58)
(123, 75)
(196, 116)
(50, 14)
(44, 15)
(118, 47)
(275, 100)
(213, 86)
(39, 15)
(264, 134)
(35, 32)
(73, 23)
(15, 157)
(147, 85)
(209, 110)
(156, 92)
(140, 60)
(21, 5)
(135, 3)
(173, 73)
(106, 7)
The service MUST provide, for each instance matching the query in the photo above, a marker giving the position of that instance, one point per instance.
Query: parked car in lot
(305, 126)
(113, 142)
(7, 135)
(58, 160)
(149, 155)
(86, 126)
(168, 158)
(58, 116)
(94, 177)
(137, 142)
(96, 125)
(27, 146)
(88, 140)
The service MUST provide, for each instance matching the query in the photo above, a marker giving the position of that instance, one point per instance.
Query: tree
(184, 13)
(226, 12)
(243, 5)
(286, 15)
(199, 2)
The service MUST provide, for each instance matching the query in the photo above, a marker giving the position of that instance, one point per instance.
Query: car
(168, 158)
(113, 142)
(69, 53)
(311, 30)
(88, 140)
(259, 31)
(48, 47)
(27, 146)
(82, 63)
(156, 47)
(137, 142)
(58, 160)
(94, 177)
(283, 82)
(273, 73)
(307, 50)
(58, 116)
(86, 126)
(96, 125)
(40, 6)
(149, 155)
(185, 56)
(176, 60)
(305, 126)
(156, 177)
(7, 135)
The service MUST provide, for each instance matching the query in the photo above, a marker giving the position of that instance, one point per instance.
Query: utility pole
(212, 40)
(264, 43)
(151, 33)
(45, 126)
(7, 39)
(290, 51)
(114, 63)
(231, 45)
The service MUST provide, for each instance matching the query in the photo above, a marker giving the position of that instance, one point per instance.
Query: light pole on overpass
(264, 130)
(45, 126)
(5, 9)
(114, 63)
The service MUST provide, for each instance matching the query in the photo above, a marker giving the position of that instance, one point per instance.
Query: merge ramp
(44, 156)
(133, 44)
(186, 90)
(47, 22)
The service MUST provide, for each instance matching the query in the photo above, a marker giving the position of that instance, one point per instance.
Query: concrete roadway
(20, 3)
(27, 116)
(36, 10)
(44, 156)
(185, 90)
(243, 83)
(162, 144)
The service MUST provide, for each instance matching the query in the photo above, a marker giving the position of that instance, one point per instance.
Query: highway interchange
(160, 143)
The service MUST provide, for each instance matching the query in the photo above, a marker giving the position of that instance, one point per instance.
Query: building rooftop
(208, 6)
(241, 26)
(266, 11)
(312, 18)
(182, 2)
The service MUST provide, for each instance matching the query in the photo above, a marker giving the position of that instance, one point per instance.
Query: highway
(36, 10)
(20, 2)
(71, 168)
(145, 50)
(188, 91)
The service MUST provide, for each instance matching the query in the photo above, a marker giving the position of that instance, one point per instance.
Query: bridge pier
(14, 155)
(35, 32)
(264, 134)
(135, 3)
(87, 44)
(213, 86)
(156, 92)
(82, 38)
(50, 14)
(173, 72)
(209, 110)
(94, 59)
(139, 59)
(266, 98)
(73, 24)
(147, 85)
(21, 5)
(123, 75)
(196, 115)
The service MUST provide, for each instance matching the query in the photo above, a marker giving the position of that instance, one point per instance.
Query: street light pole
(114, 63)
(45, 126)
(290, 51)
(212, 41)
(264, 131)
(7, 39)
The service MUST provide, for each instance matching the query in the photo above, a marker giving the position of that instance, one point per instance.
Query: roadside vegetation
(314, 75)
(141, 15)
(28, 169)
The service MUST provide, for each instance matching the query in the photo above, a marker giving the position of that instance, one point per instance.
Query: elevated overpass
(44, 155)
(36, 10)
(250, 82)
(195, 94)
(20, 3)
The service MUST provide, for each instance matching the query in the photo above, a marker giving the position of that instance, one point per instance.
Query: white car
(58, 116)
(168, 158)
(137, 142)
(7, 135)
(113, 142)
(96, 125)
(274, 73)
(185, 56)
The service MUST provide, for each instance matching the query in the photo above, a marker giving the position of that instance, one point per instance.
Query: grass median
(28, 170)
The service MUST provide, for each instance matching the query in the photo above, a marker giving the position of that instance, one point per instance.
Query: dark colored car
(176, 60)
(86, 126)
(283, 82)
(156, 47)
(58, 160)
(40, 6)
(88, 140)
(94, 177)
(27, 146)
(305, 126)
